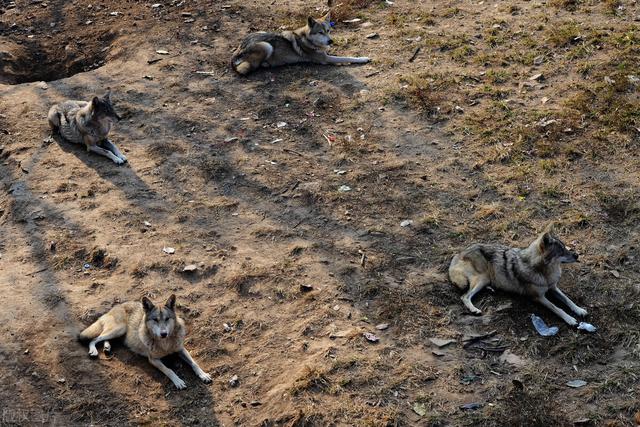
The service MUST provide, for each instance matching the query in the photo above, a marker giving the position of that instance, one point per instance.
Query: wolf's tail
(91, 332)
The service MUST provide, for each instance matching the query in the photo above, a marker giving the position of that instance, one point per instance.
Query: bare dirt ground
(510, 115)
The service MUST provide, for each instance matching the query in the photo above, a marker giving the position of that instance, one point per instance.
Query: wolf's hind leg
(54, 119)
(106, 334)
(476, 284)
(253, 58)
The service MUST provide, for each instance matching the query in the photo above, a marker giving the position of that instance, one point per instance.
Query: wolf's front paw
(93, 352)
(364, 60)
(118, 161)
(571, 321)
(581, 312)
(123, 158)
(180, 385)
(204, 377)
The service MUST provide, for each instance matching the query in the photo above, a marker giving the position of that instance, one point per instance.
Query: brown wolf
(531, 271)
(87, 123)
(149, 330)
(306, 44)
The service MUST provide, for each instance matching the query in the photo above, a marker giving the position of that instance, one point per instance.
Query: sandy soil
(242, 177)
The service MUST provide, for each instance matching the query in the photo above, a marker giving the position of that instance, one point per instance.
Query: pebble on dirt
(371, 337)
(234, 382)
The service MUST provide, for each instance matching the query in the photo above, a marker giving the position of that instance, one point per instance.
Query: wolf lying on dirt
(87, 123)
(149, 330)
(306, 44)
(530, 272)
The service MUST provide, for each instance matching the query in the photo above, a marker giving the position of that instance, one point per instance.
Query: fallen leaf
(420, 409)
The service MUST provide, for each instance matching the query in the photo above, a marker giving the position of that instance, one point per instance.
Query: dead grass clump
(346, 9)
(530, 402)
(570, 5)
(162, 150)
(211, 166)
(563, 34)
(618, 206)
(430, 94)
(313, 379)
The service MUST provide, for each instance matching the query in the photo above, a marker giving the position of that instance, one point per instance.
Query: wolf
(306, 44)
(87, 123)
(530, 272)
(149, 330)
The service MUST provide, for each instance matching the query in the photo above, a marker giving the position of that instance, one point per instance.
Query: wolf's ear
(171, 302)
(95, 101)
(550, 228)
(327, 18)
(107, 96)
(147, 304)
(311, 22)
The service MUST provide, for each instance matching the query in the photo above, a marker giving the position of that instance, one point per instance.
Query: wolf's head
(102, 108)
(160, 320)
(552, 249)
(317, 31)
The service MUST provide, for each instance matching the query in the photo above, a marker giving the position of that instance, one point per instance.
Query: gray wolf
(530, 272)
(87, 123)
(306, 44)
(149, 330)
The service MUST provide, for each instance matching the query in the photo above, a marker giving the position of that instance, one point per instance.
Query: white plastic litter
(587, 327)
(542, 327)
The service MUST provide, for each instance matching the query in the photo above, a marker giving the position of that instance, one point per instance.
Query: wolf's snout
(163, 334)
(330, 41)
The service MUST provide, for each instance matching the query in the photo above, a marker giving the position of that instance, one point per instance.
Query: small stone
(372, 36)
(344, 188)
(420, 409)
(169, 250)
(234, 382)
(61, 380)
(406, 223)
(370, 337)
(162, 52)
(382, 326)
(190, 268)
(537, 77)
(576, 383)
(439, 342)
